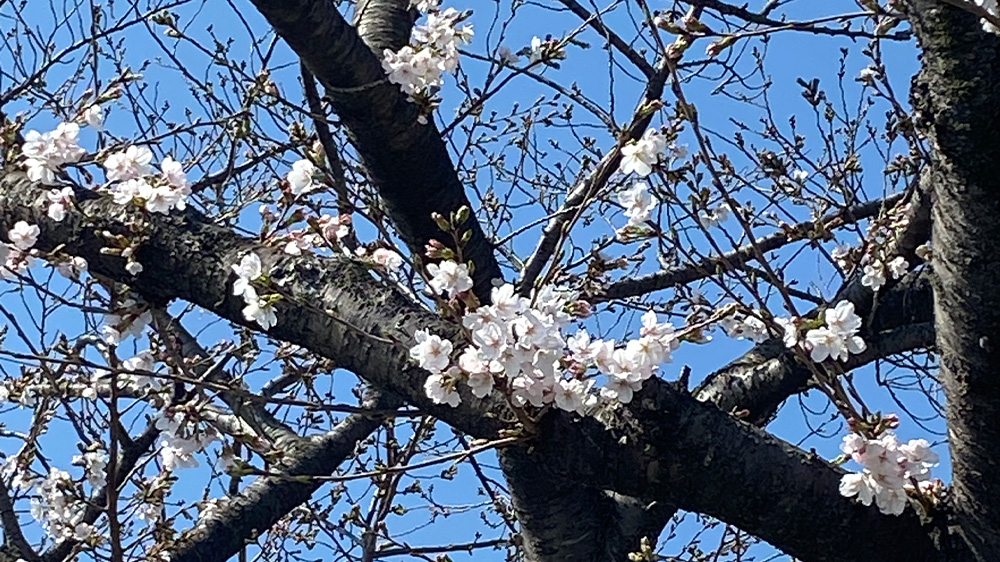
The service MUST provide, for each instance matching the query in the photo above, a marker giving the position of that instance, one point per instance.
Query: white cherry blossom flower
(440, 388)
(72, 268)
(46, 153)
(481, 384)
(842, 319)
(449, 277)
(172, 173)
(507, 56)
(873, 276)
(249, 269)
(638, 203)
(300, 178)
(641, 155)
(261, 312)
(131, 163)
(898, 266)
(432, 352)
(23, 236)
(387, 259)
(59, 199)
(94, 116)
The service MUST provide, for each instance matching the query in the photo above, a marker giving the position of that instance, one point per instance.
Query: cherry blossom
(59, 199)
(898, 266)
(72, 268)
(713, 217)
(172, 174)
(387, 259)
(838, 339)
(95, 464)
(260, 311)
(449, 277)
(248, 270)
(94, 116)
(873, 276)
(23, 236)
(300, 178)
(420, 66)
(180, 439)
(520, 340)
(641, 155)
(745, 326)
(46, 153)
(991, 7)
(507, 56)
(890, 468)
(432, 352)
(638, 203)
(440, 388)
(58, 508)
(127, 320)
(131, 163)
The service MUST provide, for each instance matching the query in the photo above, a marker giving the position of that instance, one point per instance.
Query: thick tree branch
(188, 351)
(384, 24)
(758, 382)
(336, 308)
(407, 161)
(12, 528)
(671, 448)
(270, 498)
(332, 306)
(956, 94)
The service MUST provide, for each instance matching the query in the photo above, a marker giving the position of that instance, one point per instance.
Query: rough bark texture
(760, 380)
(958, 95)
(407, 161)
(384, 24)
(268, 499)
(666, 445)
(334, 307)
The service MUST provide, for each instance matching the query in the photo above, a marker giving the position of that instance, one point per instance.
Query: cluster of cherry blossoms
(891, 469)
(639, 157)
(181, 438)
(638, 203)
(837, 339)
(16, 256)
(876, 257)
(46, 153)
(259, 309)
(745, 326)
(95, 467)
(518, 344)
(874, 274)
(58, 507)
(419, 67)
(134, 181)
(57, 501)
(713, 217)
(128, 319)
(135, 366)
(129, 172)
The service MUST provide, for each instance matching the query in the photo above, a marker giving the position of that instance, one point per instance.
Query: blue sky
(790, 55)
